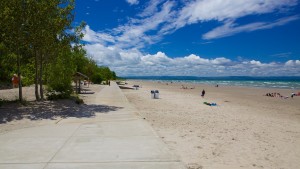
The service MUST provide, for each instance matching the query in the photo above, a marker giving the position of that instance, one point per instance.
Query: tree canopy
(39, 42)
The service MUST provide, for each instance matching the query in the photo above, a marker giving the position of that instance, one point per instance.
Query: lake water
(261, 82)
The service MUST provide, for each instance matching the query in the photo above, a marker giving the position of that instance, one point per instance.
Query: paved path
(115, 138)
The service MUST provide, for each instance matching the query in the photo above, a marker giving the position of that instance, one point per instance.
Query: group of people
(185, 87)
(274, 95)
(280, 96)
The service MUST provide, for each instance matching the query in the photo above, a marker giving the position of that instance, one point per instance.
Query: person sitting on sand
(292, 95)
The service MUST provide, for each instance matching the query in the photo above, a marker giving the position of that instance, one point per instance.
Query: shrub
(59, 78)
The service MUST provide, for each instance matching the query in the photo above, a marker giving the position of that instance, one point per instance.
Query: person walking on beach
(203, 93)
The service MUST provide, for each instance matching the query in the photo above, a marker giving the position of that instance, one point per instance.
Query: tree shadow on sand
(51, 110)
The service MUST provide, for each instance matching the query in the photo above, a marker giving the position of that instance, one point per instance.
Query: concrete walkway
(115, 138)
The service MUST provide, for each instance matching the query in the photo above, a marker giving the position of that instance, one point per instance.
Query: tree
(48, 25)
(11, 31)
(40, 38)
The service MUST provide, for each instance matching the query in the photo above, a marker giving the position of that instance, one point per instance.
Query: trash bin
(152, 94)
(156, 94)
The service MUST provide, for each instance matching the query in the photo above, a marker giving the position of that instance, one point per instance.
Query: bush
(60, 78)
(53, 95)
(97, 78)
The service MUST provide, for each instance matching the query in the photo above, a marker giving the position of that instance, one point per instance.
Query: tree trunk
(41, 78)
(20, 80)
(37, 97)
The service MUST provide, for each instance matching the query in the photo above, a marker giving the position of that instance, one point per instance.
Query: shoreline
(286, 91)
(220, 84)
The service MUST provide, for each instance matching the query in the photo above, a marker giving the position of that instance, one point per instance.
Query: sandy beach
(244, 130)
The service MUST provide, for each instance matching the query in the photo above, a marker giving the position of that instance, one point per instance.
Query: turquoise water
(260, 82)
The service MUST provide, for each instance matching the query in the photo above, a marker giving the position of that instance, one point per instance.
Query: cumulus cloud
(133, 62)
(292, 63)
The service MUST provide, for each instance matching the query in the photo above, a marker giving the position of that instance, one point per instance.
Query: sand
(244, 130)
(15, 116)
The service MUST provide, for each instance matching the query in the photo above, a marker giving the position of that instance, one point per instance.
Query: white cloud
(256, 63)
(133, 2)
(292, 63)
(221, 10)
(231, 28)
(133, 62)
(96, 37)
(227, 12)
(220, 61)
(151, 8)
(135, 34)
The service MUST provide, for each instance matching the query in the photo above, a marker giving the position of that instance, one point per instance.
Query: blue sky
(193, 37)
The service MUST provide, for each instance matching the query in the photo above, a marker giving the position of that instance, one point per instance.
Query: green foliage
(60, 76)
(28, 73)
(39, 35)
(114, 76)
(8, 67)
(89, 67)
(97, 78)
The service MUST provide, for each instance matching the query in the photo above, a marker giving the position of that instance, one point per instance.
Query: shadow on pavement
(51, 110)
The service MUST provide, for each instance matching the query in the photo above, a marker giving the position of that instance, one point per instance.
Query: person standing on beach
(203, 93)
(15, 81)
